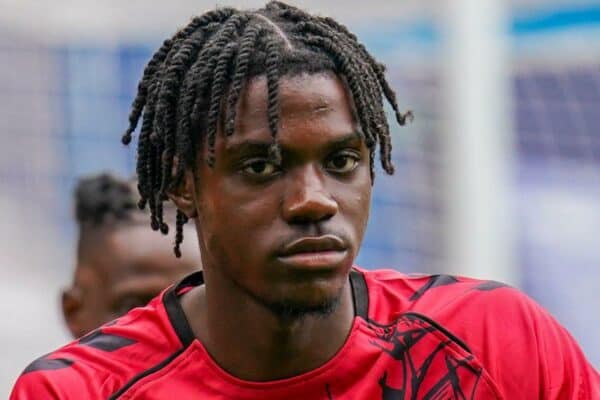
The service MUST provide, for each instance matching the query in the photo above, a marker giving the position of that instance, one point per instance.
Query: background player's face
(119, 269)
(251, 210)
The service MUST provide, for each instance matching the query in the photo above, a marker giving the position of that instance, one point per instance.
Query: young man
(121, 264)
(262, 127)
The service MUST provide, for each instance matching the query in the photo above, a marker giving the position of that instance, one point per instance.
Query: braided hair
(192, 85)
(104, 198)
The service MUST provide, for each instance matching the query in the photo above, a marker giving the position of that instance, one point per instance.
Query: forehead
(136, 250)
(308, 104)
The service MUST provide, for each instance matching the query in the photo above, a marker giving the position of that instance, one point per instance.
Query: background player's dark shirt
(425, 337)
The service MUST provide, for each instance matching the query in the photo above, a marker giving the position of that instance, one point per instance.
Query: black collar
(360, 298)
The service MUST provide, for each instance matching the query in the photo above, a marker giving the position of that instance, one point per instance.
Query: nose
(306, 199)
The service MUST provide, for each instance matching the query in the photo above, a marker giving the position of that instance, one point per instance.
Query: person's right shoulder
(101, 362)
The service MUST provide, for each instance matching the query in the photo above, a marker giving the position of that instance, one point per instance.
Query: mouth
(322, 252)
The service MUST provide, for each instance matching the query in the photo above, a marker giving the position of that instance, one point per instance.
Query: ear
(183, 195)
(72, 303)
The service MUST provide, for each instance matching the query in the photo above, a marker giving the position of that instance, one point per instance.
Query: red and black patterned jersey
(413, 337)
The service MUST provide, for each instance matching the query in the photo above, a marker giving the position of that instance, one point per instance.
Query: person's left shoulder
(510, 334)
(514, 336)
(391, 292)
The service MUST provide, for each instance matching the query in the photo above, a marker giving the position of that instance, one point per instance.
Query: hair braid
(373, 70)
(181, 220)
(239, 78)
(159, 57)
(272, 70)
(218, 87)
(348, 69)
(379, 69)
(165, 123)
(192, 85)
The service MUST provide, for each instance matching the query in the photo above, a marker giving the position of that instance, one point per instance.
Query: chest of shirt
(407, 359)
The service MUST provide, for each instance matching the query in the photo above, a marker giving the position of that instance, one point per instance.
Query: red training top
(413, 337)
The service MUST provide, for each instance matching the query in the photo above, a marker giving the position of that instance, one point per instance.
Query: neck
(252, 343)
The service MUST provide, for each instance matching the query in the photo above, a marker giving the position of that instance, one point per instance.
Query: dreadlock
(192, 84)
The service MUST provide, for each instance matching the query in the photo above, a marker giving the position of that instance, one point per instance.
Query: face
(286, 233)
(119, 269)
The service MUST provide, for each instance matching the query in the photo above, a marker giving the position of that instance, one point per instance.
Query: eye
(260, 168)
(342, 163)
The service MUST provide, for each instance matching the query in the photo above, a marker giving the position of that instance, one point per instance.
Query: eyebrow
(248, 146)
(345, 140)
(262, 146)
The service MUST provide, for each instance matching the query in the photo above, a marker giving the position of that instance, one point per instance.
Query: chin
(317, 299)
(290, 309)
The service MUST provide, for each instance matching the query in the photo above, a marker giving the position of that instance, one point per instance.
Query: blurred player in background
(262, 127)
(120, 263)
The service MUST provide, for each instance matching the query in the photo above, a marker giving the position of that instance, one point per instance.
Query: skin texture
(248, 210)
(119, 268)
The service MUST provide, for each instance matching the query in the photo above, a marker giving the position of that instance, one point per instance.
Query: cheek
(232, 219)
(361, 215)
(354, 202)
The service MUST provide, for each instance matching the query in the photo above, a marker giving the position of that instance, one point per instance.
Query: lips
(319, 252)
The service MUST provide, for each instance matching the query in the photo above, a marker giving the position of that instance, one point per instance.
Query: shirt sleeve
(529, 353)
(56, 378)
(30, 387)
(567, 372)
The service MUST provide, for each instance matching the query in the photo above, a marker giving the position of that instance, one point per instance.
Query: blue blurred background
(69, 72)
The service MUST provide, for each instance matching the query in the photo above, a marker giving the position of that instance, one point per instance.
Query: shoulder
(466, 306)
(98, 364)
(392, 292)
(514, 336)
(507, 331)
